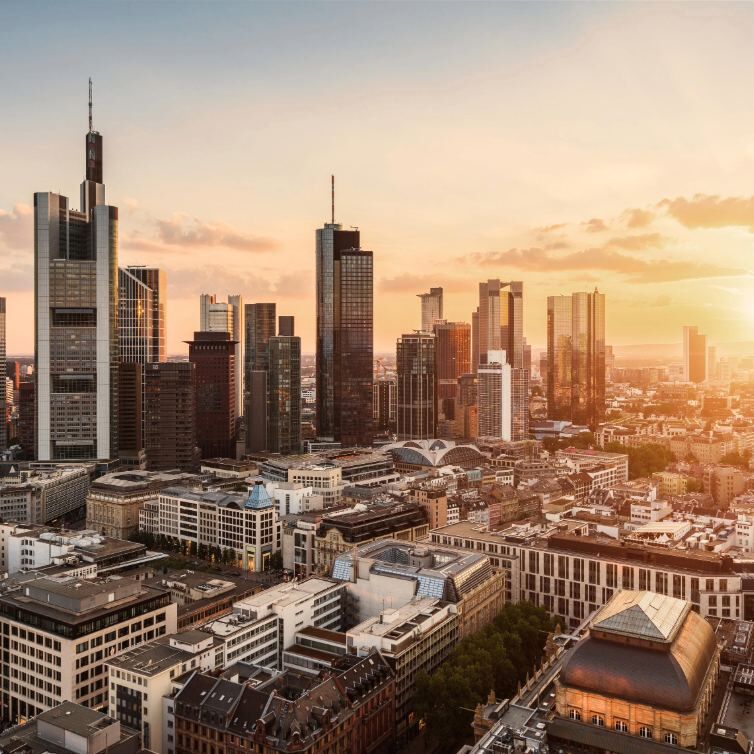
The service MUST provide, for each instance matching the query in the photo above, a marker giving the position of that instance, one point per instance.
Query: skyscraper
(694, 355)
(417, 388)
(384, 397)
(576, 357)
(3, 407)
(353, 354)
(494, 397)
(259, 328)
(453, 351)
(76, 319)
(431, 304)
(214, 356)
(284, 393)
(156, 282)
(501, 328)
(331, 240)
(169, 411)
(215, 316)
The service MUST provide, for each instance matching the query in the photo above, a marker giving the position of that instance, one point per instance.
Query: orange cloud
(638, 218)
(16, 227)
(709, 211)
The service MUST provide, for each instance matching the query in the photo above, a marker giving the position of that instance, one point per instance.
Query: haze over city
(568, 146)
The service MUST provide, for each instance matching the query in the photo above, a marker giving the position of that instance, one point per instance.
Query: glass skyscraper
(576, 358)
(417, 389)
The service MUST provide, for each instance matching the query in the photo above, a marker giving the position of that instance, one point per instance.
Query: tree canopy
(643, 460)
(498, 657)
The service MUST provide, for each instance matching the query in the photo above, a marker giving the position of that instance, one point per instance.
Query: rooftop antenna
(332, 194)
(90, 104)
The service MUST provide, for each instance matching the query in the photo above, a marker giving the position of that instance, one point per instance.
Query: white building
(494, 391)
(294, 498)
(247, 525)
(61, 630)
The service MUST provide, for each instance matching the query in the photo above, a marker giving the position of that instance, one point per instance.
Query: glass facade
(284, 391)
(417, 389)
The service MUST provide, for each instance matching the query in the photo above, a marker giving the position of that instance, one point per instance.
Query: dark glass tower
(331, 240)
(417, 388)
(284, 394)
(76, 319)
(353, 355)
(259, 328)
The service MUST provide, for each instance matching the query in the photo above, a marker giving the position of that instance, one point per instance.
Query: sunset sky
(568, 146)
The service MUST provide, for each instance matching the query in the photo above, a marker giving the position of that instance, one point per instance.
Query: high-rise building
(170, 415)
(259, 327)
(215, 316)
(353, 350)
(453, 353)
(494, 397)
(131, 440)
(500, 327)
(76, 319)
(3, 368)
(214, 355)
(384, 400)
(466, 420)
(475, 340)
(27, 420)
(576, 357)
(155, 281)
(711, 362)
(694, 355)
(331, 240)
(284, 393)
(417, 386)
(431, 308)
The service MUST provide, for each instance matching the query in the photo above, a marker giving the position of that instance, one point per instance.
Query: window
(598, 720)
(671, 738)
(645, 732)
(574, 714)
(621, 726)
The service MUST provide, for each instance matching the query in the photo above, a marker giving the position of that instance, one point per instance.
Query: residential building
(76, 326)
(61, 629)
(576, 358)
(495, 397)
(694, 355)
(213, 355)
(431, 308)
(417, 386)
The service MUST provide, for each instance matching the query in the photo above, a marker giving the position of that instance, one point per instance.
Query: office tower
(576, 357)
(286, 325)
(694, 355)
(475, 340)
(417, 389)
(527, 357)
(259, 328)
(353, 355)
(155, 282)
(384, 397)
(3, 371)
(27, 420)
(453, 352)
(131, 448)
(227, 317)
(494, 397)
(214, 356)
(500, 328)
(284, 392)
(712, 363)
(467, 414)
(76, 319)
(431, 308)
(170, 415)
(331, 240)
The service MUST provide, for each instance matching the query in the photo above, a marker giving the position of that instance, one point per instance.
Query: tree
(275, 562)
(643, 460)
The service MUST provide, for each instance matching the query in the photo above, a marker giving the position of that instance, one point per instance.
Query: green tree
(643, 460)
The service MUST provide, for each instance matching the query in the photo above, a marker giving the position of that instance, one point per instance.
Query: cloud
(183, 232)
(638, 242)
(550, 228)
(638, 218)
(632, 268)
(420, 283)
(20, 277)
(595, 225)
(17, 227)
(709, 211)
(210, 279)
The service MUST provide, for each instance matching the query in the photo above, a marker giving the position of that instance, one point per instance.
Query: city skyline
(205, 163)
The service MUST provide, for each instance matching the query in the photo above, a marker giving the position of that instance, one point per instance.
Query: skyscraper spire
(90, 105)
(332, 195)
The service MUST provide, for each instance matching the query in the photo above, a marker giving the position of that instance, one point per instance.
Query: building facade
(495, 397)
(694, 355)
(417, 386)
(431, 308)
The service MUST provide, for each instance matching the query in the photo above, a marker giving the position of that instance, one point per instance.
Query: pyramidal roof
(644, 615)
(259, 497)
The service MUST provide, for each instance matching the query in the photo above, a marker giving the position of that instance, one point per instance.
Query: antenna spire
(332, 193)
(90, 105)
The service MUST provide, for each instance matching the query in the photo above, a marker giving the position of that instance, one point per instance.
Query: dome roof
(668, 675)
